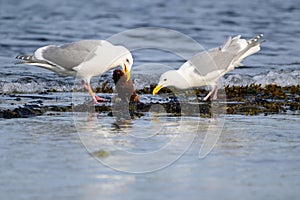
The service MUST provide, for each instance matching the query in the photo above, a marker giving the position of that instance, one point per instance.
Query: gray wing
(225, 57)
(69, 55)
(213, 59)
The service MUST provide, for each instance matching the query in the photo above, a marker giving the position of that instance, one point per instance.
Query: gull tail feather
(255, 39)
(253, 46)
(25, 57)
(31, 60)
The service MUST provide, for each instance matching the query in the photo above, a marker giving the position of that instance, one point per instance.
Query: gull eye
(127, 60)
(165, 79)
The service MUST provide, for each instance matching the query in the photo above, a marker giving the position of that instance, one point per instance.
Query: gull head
(171, 78)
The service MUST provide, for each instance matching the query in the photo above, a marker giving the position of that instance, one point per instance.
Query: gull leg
(208, 95)
(94, 96)
(213, 91)
(216, 93)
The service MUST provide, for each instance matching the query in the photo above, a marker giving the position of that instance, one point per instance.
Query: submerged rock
(101, 153)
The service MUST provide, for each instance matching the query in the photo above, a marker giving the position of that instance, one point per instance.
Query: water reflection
(144, 144)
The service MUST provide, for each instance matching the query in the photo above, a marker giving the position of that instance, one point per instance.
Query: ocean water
(254, 158)
(27, 25)
(51, 156)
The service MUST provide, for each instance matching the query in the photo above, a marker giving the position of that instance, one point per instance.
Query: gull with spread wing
(205, 68)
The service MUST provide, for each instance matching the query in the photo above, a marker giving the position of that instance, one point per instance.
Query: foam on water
(140, 80)
(279, 78)
(32, 87)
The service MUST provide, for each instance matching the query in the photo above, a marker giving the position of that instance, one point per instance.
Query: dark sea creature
(124, 87)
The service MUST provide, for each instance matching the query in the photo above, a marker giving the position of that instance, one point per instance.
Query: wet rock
(247, 100)
(22, 112)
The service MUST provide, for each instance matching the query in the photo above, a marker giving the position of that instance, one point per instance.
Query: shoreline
(245, 100)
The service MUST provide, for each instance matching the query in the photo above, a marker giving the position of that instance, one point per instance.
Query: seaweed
(248, 100)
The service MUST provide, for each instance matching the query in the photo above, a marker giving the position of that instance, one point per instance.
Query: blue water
(43, 157)
(27, 25)
(255, 158)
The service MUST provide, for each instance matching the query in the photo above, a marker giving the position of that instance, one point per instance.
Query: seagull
(83, 59)
(206, 67)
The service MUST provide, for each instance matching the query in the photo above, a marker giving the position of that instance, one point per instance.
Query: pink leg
(99, 99)
(94, 96)
(216, 93)
(210, 93)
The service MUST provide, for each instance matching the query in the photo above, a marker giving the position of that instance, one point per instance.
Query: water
(258, 162)
(43, 158)
(28, 25)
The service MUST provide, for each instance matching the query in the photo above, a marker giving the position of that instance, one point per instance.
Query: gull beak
(156, 89)
(127, 72)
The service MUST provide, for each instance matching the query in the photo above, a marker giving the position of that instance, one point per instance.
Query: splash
(280, 78)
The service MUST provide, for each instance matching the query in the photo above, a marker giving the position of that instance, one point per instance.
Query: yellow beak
(156, 89)
(126, 72)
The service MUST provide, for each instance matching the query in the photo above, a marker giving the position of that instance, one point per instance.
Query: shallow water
(43, 157)
(255, 157)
